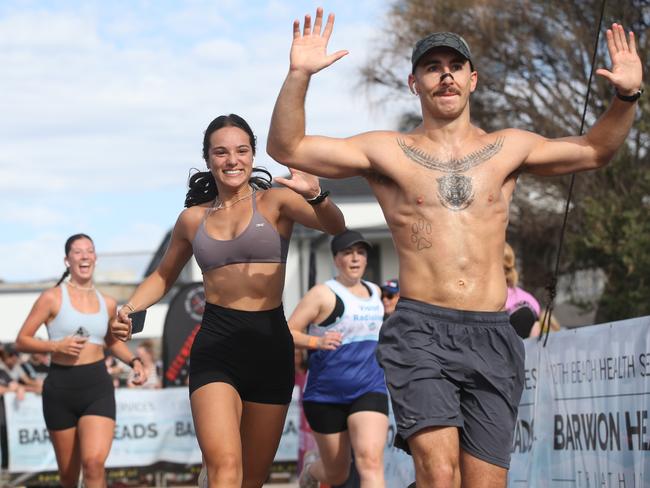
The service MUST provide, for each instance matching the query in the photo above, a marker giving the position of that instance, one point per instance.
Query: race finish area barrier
(583, 417)
(153, 432)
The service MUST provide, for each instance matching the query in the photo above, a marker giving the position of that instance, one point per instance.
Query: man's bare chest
(458, 182)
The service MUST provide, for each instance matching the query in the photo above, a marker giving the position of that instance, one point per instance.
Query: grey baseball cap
(441, 39)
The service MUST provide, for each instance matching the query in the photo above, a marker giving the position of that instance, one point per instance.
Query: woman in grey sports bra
(241, 363)
(78, 393)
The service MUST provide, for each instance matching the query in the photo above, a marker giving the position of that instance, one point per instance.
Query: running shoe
(203, 477)
(306, 479)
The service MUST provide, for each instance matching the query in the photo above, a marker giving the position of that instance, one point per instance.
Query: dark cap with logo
(441, 39)
(390, 286)
(347, 239)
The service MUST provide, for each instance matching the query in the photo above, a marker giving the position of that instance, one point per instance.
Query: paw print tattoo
(421, 234)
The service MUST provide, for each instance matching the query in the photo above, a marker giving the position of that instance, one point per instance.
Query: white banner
(151, 426)
(583, 418)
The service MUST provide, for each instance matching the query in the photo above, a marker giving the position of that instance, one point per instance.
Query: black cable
(552, 286)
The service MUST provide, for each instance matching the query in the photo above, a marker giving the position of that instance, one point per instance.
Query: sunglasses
(390, 296)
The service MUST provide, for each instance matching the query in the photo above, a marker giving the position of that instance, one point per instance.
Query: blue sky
(104, 105)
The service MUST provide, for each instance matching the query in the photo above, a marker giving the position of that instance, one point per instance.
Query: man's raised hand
(626, 73)
(309, 48)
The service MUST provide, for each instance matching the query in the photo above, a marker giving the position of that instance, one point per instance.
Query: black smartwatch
(318, 199)
(629, 98)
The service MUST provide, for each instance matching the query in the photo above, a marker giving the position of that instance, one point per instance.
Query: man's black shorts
(449, 367)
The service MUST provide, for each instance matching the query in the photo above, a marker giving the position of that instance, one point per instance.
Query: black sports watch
(318, 199)
(629, 98)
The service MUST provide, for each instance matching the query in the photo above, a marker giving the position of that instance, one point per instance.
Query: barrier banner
(152, 426)
(182, 323)
(583, 417)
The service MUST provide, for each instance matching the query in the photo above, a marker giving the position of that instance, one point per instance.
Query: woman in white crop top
(241, 362)
(78, 394)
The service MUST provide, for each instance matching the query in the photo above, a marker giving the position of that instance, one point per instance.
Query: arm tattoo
(455, 190)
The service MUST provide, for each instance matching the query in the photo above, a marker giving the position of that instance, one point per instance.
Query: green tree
(533, 59)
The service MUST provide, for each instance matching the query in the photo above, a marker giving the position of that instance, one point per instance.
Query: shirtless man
(453, 365)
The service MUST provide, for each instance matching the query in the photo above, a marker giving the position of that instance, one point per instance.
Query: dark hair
(202, 187)
(68, 246)
(232, 120)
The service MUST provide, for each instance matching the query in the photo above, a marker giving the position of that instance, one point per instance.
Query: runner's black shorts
(458, 368)
(331, 418)
(251, 351)
(70, 392)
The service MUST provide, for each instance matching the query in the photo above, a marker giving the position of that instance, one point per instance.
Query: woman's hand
(138, 374)
(71, 345)
(330, 341)
(302, 183)
(121, 325)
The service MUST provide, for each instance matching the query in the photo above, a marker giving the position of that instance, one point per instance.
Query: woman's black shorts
(252, 351)
(70, 392)
(331, 418)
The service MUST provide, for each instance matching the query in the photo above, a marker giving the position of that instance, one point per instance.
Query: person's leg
(368, 431)
(66, 449)
(333, 467)
(435, 452)
(95, 439)
(261, 430)
(328, 422)
(217, 412)
(476, 473)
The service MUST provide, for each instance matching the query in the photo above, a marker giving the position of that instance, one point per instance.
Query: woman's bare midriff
(245, 286)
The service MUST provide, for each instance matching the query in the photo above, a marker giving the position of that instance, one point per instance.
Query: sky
(103, 107)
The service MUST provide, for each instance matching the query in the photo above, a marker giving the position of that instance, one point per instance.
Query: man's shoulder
(375, 137)
(512, 133)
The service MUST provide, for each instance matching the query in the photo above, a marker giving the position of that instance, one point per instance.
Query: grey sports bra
(258, 243)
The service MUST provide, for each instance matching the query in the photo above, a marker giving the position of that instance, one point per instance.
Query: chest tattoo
(455, 190)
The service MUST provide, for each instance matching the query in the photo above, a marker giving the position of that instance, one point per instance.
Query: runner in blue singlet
(345, 399)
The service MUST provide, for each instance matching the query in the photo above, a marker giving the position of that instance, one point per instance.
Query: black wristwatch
(318, 199)
(629, 98)
(132, 362)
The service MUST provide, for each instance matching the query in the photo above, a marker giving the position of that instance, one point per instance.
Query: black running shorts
(70, 392)
(331, 418)
(454, 368)
(252, 351)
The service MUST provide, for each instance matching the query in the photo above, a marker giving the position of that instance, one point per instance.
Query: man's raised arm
(287, 142)
(597, 147)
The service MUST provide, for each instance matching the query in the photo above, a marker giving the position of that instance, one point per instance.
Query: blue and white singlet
(351, 370)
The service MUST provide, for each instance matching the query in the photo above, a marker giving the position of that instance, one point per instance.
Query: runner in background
(78, 392)
(345, 399)
(389, 296)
